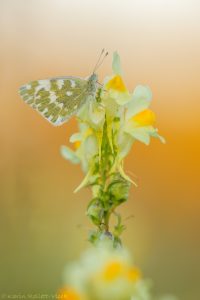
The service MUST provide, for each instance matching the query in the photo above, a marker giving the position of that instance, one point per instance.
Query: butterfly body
(58, 99)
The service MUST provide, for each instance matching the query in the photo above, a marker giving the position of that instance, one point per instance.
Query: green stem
(113, 190)
(104, 170)
(108, 215)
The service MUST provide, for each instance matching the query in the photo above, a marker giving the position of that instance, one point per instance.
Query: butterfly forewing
(56, 99)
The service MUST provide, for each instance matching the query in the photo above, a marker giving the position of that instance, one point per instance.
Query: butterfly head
(94, 77)
(92, 83)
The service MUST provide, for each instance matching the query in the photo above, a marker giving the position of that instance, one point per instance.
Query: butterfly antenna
(102, 51)
(100, 61)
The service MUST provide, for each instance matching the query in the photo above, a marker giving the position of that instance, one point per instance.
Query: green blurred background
(43, 223)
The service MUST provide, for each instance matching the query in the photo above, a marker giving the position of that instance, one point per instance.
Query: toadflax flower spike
(109, 125)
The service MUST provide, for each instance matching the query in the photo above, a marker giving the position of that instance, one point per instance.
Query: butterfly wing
(56, 99)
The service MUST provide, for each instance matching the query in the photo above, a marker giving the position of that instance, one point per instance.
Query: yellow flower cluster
(127, 118)
(104, 273)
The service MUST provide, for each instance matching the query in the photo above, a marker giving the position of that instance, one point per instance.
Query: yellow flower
(77, 144)
(144, 118)
(87, 147)
(112, 270)
(69, 294)
(85, 143)
(139, 120)
(106, 273)
(133, 274)
(116, 89)
(117, 84)
(135, 123)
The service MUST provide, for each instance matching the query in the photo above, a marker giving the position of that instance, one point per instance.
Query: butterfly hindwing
(56, 99)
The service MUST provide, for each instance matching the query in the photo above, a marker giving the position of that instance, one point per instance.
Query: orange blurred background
(43, 223)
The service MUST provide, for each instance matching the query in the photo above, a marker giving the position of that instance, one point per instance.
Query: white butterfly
(58, 99)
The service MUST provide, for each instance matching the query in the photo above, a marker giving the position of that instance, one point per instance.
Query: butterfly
(58, 99)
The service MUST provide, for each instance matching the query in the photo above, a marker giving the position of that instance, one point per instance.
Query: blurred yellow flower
(69, 294)
(105, 273)
(77, 144)
(112, 270)
(133, 274)
(118, 269)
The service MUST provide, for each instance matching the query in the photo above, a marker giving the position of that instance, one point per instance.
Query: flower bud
(119, 189)
(95, 213)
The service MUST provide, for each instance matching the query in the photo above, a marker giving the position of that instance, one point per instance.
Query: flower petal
(141, 134)
(82, 114)
(144, 118)
(116, 83)
(124, 143)
(140, 100)
(96, 113)
(154, 132)
(117, 90)
(121, 98)
(90, 147)
(116, 64)
(76, 137)
(70, 155)
(110, 104)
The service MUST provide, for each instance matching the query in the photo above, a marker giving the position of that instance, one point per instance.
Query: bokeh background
(42, 222)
